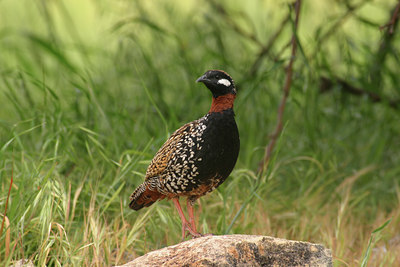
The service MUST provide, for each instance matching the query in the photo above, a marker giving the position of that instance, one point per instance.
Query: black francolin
(198, 157)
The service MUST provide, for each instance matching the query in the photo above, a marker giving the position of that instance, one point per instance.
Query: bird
(197, 157)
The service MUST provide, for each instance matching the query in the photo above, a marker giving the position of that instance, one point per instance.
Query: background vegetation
(89, 90)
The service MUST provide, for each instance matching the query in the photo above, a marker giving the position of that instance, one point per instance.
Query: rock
(23, 263)
(237, 250)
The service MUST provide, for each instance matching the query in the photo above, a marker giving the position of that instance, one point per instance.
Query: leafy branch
(286, 90)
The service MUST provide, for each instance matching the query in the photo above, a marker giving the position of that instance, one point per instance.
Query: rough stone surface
(22, 263)
(237, 250)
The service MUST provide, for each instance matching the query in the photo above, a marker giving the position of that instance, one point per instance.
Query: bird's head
(219, 82)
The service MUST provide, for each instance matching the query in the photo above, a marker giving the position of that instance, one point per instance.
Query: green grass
(89, 92)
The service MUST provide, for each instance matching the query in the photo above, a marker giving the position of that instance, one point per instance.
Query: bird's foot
(209, 234)
(201, 235)
(187, 230)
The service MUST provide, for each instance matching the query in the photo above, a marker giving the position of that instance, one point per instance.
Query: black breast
(220, 147)
(198, 157)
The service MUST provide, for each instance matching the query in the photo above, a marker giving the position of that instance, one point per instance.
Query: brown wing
(160, 161)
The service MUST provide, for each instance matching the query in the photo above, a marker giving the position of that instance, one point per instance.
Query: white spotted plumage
(180, 170)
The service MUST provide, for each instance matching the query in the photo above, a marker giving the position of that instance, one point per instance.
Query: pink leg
(191, 215)
(185, 224)
(189, 205)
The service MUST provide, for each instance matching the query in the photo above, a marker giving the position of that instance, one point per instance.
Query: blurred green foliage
(89, 90)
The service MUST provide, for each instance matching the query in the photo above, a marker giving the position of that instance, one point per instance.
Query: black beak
(202, 79)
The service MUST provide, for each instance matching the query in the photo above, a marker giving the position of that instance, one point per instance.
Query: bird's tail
(144, 197)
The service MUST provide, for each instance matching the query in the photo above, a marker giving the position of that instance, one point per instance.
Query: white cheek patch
(224, 82)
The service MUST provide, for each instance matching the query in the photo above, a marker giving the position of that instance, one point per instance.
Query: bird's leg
(181, 215)
(185, 223)
(190, 204)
